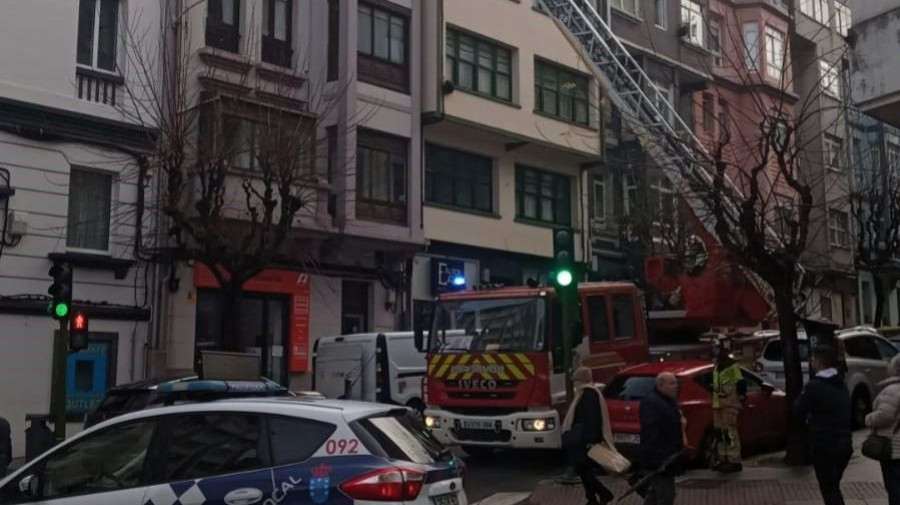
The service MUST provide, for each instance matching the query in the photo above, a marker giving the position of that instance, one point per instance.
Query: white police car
(266, 451)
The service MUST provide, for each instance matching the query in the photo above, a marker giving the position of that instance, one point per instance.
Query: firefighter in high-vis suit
(728, 396)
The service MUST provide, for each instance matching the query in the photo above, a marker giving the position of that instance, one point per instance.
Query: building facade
(352, 69)
(511, 130)
(70, 191)
(876, 59)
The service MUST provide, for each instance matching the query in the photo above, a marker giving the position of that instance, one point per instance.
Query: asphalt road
(510, 472)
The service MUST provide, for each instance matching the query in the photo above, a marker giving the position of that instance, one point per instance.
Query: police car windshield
(506, 324)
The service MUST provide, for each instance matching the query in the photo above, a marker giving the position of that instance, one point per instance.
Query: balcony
(222, 36)
(876, 57)
(99, 87)
(276, 52)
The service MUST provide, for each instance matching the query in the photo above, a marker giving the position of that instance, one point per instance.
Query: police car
(265, 451)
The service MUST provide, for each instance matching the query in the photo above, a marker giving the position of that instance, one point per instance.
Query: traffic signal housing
(60, 290)
(563, 257)
(78, 330)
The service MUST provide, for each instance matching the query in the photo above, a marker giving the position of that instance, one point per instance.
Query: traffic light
(60, 290)
(78, 331)
(563, 257)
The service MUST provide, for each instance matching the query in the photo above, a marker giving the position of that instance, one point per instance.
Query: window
(561, 93)
(600, 198)
(382, 38)
(816, 9)
(629, 6)
(97, 33)
(692, 18)
(751, 46)
(715, 42)
(774, 351)
(543, 196)
(294, 440)
(474, 64)
(623, 316)
(709, 113)
(631, 196)
(458, 178)
(630, 388)
(842, 18)
(724, 121)
(598, 318)
(862, 347)
(887, 350)
(661, 17)
(277, 28)
(381, 172)
(784, 215)
(107, 461)
(205, 445)
(825, 307)
(664, 99)
(833, 152)
(334, 38)
(398, 435)
(839, 228)
(893, 156)
(831, 82)
(223, 24)
(90, 201)
(774, 53)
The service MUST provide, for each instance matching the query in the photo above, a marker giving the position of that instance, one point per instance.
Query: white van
(373, 367)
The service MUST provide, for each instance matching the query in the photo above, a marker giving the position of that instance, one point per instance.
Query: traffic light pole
(58, 383)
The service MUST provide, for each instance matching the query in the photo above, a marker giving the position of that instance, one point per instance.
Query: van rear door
(337, 371)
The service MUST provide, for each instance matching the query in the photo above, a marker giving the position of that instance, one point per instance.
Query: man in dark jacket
(5, 447)
(825, 403)
(661, 438)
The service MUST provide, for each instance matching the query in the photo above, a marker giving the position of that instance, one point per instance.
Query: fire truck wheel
(478, 451)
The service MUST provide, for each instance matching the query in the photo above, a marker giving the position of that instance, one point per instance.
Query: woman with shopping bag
(883, 444)
(587, 438)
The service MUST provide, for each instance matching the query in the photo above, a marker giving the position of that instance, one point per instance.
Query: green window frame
(479, 66)
(543, 196)
(458, 178)
(561, 93)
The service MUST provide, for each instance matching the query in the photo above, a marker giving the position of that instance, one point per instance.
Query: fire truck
(495, 360)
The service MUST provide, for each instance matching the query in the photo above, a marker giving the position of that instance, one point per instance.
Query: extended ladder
(669, 142)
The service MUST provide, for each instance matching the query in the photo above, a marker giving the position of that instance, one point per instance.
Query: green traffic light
(61, 310)
(564, 278)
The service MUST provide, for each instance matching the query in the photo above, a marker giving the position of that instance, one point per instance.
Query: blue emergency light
(458, 280)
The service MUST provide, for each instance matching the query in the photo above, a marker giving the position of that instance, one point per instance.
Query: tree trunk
(793, 373)
(878, 284)
(231, 316)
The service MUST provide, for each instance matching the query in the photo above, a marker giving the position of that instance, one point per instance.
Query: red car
(761, 424)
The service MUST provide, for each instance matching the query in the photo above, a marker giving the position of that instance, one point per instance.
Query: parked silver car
(868, 354)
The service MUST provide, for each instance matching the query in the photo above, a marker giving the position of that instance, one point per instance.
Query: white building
(349, 273)
(512, 128)
(64, 136)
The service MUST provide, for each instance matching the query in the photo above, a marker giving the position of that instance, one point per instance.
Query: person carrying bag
(587, 438)
(883, 444)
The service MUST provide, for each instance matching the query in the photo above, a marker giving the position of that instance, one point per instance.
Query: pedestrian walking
(661, 439)
(728, 396)
(587, 424)
(825, 404)
(5, 447)
(885, 422)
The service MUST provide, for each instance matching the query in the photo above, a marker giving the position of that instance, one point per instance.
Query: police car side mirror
(28, 486)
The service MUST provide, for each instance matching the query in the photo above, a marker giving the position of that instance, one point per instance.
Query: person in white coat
(885, 421)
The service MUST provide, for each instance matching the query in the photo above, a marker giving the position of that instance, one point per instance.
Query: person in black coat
(584, 427)
(661, 439)
(5, 447)
(825, 403)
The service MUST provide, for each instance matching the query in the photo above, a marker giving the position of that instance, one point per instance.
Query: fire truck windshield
(507, 324)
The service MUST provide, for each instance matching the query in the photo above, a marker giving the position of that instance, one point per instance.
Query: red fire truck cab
(495, 360)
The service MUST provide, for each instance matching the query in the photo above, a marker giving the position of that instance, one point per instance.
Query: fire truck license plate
(446, 499)
(478, 424)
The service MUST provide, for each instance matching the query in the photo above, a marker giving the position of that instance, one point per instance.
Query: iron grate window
(543, 196)
(476, 65)
(561, 93)
(458, 178)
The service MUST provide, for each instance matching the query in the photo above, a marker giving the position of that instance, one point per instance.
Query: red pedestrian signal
(78, 331)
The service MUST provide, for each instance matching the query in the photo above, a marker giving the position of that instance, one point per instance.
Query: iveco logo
(480, 369)
(477, 384)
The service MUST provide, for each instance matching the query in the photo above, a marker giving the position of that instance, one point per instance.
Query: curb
(505, 499)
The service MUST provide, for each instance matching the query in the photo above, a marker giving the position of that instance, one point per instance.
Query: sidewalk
(764, 481)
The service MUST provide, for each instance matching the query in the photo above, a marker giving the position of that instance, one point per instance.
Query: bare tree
(240, 159)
